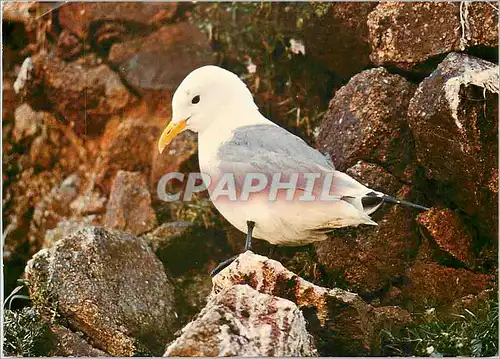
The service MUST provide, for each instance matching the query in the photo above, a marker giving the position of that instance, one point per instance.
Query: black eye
(195, 99)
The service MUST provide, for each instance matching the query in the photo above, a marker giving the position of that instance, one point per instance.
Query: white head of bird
(203, 96)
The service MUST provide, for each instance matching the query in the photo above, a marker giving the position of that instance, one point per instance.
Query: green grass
(25, 334)
(469, 334)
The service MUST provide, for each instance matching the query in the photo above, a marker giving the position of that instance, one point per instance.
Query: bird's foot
(223, 265)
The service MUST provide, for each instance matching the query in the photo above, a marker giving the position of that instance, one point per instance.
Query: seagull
(235, 139)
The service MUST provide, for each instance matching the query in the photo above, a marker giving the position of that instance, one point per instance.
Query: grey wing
(271, 149)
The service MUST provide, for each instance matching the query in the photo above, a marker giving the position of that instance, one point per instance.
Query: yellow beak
(172, 130)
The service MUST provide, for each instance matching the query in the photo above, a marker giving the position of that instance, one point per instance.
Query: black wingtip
(390, 199)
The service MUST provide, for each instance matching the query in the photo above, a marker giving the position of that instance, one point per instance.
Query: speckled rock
(365, 121)
(82, 18)
(454, 119)
(85, 86)
(370, 258)
(432, 285)
(161, 60)
(340, 321)
(240, 321)
(375, 177)
(128, 147)
(445, 228)
(92, 276)
(405, 34)
(129, 206)
(69, 343)
(343, 28)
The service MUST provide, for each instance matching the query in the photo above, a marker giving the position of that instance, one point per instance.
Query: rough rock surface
(129, 206)
(344, 29)
(365, 121)
(128, 147)
(431, 285)
(69, 343)
(340, 321)
(85, 92)
(82, 18)
(449, 233)
(161, 60)
(405, 34)
(240, 321)
(370, 258)
(375, 177)
(454, 119)
(92, 276)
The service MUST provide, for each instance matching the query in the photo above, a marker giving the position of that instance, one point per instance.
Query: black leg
(223, 265)
(248, 243)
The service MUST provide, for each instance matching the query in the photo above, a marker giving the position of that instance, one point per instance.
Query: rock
(79, 17)
(405, 34)
(85, 86)
(454, 120)
(129, 206)
(26, 122)
(364, 121)
(432, 285)
(89, 203)
(92, 276)
(483, 24)
(128, 147)
(240, 321)
(54, 207)
(449, 233)
(369, 259)
(68, 343)
(160, 61)
(340, 322)
(343, 28)
(375, 177)
(67, 227)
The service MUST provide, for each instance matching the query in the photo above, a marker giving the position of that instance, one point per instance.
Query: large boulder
(340, 321)
(365, 121)
(405, 34)
(454, 120)
(91, 276)
(240, 321)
